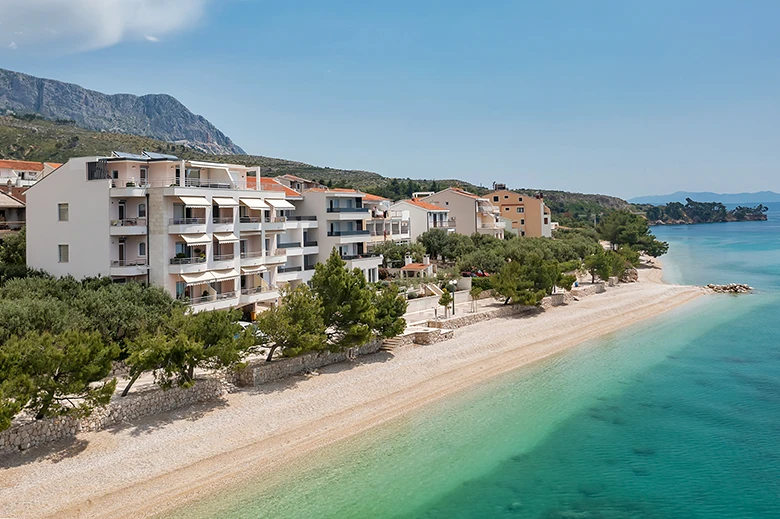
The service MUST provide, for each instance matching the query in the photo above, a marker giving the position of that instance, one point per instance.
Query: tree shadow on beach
(54, 452)
(150, 423)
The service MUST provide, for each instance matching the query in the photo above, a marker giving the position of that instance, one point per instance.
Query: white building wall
(86, 232)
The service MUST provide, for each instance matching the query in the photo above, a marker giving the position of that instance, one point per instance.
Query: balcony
(274, 224)
(223, 258)
(276, 256)
(310, 243)
(348, 209)
(309, 267)
(187, 225)
(285, 270)
(361, 256)
(348, 233)
(449, 224)
(257, 294)
(252, 259)
(128, 227)
(179, 265)
(129, 268)
(290, 245)
(212, 298)
(302, 218)
(250, 223)
(223, 223)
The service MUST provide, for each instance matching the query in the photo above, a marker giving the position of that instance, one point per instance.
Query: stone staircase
(391, 344)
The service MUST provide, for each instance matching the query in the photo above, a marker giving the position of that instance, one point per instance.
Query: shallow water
(677, 417)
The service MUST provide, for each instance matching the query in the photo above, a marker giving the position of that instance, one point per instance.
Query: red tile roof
(415, 266)
(374, 198)
(334, 190)
(425, 205)
(464, 193)
(278, 186)
(54, 165)
(21, 165)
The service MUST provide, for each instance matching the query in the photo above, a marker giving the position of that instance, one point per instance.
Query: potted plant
(130, 183)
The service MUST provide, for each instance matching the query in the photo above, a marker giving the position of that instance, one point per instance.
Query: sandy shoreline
(151, 466)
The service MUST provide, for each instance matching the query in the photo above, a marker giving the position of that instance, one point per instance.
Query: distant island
(761, 197)
(693, 212)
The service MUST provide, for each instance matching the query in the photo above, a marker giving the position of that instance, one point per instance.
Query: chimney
(426, 260)
(407, 260)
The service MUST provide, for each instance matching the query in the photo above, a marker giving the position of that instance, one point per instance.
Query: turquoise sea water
(677, 417)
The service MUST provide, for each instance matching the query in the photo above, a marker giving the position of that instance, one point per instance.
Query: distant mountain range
(159, 116)
(739, 198)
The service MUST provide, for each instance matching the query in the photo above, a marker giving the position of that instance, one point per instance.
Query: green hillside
(37, 139)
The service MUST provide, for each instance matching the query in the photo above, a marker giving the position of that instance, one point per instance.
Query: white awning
(224, 275)
(279, 203)
(253, 270)
(196, 239)
(226, 237)
(200, 278)
(195, 201)
(224, 202)
(254, 203)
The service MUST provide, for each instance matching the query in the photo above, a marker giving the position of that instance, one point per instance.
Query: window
(546, 221)
(521, 209)
(62, 212)
(142, 249)
(63, 253)
(446, 203)
(522, 222)
(115, 174)
(506, 197)
(495, 198)
(506, 209)
(141, 210)
(520, 199)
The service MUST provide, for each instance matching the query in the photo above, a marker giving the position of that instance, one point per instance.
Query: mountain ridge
(160, 116)
(706, 196)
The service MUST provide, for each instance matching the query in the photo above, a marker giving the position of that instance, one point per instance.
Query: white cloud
(13, 45)
(80, 25)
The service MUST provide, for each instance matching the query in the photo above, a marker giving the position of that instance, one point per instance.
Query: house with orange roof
(528, 215)
(471, 213)
(12, 213)
(423, 216)
(386, 224)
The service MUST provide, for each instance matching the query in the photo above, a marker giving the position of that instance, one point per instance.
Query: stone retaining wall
(428, 337)
(467, 320)
(38, 432)
(260, 372)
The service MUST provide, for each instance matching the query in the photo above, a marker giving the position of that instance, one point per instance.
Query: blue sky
(619, 97)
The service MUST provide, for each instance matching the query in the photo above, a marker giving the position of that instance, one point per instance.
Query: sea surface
(676, 417)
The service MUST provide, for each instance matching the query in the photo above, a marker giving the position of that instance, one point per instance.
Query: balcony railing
(224, 257)
(130, 263)
(349, 233)
(450, 224)
(206, 183)
(310, 243)
(252, 219)
(302, 218)
(365, 255)
(291, 245)
(250, 255)
(347, 209)
(212, 297)
(188, 261)
(128, 222)
(276, 219)
(187, 221)
(309, 267)
(223, 219)
(258, 290)
(282, 270)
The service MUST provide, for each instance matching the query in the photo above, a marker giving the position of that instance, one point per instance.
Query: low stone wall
(428, 337)
(554, 300)
(39, 432)
(469, 319)
(588, 290)
(260, 372)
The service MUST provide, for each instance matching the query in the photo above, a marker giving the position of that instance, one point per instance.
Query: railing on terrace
(276, 219)
(187, 221)
(223, 219)
(258, 290)
(130, 263)
(290, 245)
(450, 224)
(224, 257)
(211, 298)
(302, 218)
(365, 255)
(349, 233)
(283, 270)
(250, 255)
(252, 219)
(277, 252)
(205, 183)
(188, 261)
(128, 222)
(310, 243)
(347, 209)
(309, 267)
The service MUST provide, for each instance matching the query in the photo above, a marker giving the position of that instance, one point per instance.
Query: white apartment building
(343, 224)
(470, 212)
(385, 223)
(206, 232)
(424, 216)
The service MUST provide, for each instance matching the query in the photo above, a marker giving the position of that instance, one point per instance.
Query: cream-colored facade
(529, 214)
(205, 232)
(471, 213)
(423, 217)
